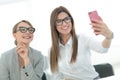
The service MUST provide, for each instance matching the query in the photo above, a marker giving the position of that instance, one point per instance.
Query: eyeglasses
(60, 21)
(24, 29)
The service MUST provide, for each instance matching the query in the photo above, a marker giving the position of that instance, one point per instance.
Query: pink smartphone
(93, 15)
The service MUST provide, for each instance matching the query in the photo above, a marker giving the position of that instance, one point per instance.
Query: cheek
(58, 29)
(15, 35)
(32, 36)
(71, 26)
(18, 36)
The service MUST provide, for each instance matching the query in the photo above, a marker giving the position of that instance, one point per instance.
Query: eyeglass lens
(24, 29)
(60, 21)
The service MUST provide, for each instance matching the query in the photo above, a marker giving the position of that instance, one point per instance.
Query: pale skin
(65, 29)
(102, 29)
(22, 50)
(23, 41)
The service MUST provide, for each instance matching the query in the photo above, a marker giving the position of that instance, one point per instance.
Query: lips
(65, 27)
(26, 37)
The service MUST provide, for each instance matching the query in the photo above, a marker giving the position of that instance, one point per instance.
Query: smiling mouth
(65, 28)
(27, 37)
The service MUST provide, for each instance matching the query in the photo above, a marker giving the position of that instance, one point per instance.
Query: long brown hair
(54, 52)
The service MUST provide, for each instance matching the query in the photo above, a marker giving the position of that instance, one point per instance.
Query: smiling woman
(10, 14)
(38, 12)
(22, 61)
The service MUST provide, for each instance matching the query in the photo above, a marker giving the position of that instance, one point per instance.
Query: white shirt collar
(69, 43)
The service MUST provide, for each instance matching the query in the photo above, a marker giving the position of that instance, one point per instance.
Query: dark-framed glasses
(23, 29)
(59, 22)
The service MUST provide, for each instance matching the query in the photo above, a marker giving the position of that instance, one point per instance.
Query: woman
(22, 62)
(70, 53)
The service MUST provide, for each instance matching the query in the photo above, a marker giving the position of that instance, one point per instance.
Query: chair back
(104, 70)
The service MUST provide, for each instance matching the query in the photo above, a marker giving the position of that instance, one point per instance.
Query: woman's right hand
(22, 51)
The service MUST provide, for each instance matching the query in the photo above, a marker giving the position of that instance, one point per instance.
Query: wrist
(111, 36)
(26, 61)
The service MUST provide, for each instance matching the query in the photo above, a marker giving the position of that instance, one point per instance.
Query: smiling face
(23, 37)
(63, 24)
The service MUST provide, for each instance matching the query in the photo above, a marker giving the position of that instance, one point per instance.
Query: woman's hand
(100, 27)
(22, 51)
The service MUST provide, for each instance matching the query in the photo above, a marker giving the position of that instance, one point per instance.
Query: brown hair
(54, 52)
(16, 25)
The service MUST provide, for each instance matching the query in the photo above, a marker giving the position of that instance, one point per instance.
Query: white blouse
(82, 69)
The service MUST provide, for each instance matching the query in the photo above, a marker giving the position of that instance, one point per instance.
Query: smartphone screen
(93, 15)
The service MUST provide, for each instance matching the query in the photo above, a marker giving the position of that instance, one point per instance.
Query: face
(24, 33)
(63, 24)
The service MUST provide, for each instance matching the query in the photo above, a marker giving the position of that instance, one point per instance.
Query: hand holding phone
(93, 15)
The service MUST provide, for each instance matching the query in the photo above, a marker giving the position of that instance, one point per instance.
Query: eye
(31, 30)
(67, 19)
(22, 29)
(58, 21)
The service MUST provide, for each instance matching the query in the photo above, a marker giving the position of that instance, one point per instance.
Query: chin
(27, 42)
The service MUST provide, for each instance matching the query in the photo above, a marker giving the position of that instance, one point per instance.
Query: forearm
(4, 73)
(26, 61)
(107, 41)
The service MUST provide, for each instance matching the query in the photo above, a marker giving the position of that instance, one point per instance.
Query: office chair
(104, 70)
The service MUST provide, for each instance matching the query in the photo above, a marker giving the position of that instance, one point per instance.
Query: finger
(21, 45)
(20, 50)
(97, 21)
(96, 25)
(97, 32)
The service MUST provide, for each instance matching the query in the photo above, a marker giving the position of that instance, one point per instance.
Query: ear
(14, 35)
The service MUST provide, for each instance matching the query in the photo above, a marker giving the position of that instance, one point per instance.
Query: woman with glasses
(70, 53)
(22, 62)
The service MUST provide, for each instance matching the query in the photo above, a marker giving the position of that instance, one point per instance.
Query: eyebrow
(63, 18)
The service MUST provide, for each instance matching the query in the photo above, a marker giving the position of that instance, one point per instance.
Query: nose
(27, 31)
(64, 23)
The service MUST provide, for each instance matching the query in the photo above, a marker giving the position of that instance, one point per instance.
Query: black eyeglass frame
(23, 29)
(60, 21)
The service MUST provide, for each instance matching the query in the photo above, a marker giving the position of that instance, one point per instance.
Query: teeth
(27, 37)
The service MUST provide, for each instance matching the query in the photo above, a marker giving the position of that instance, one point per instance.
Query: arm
(107, 41)
(100, 27)
(4, 73)
(34, 72)
(31, 61)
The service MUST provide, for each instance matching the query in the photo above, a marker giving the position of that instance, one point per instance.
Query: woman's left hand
(100, 27)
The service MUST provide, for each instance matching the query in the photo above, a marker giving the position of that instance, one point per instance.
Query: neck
(26, 44)
(64, 38)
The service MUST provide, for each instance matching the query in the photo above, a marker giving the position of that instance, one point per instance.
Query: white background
(38, 13)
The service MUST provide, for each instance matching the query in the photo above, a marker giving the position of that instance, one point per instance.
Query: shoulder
(7, 56)
(8, 53)
(35, 50)
(83, 37)
(36, 53)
